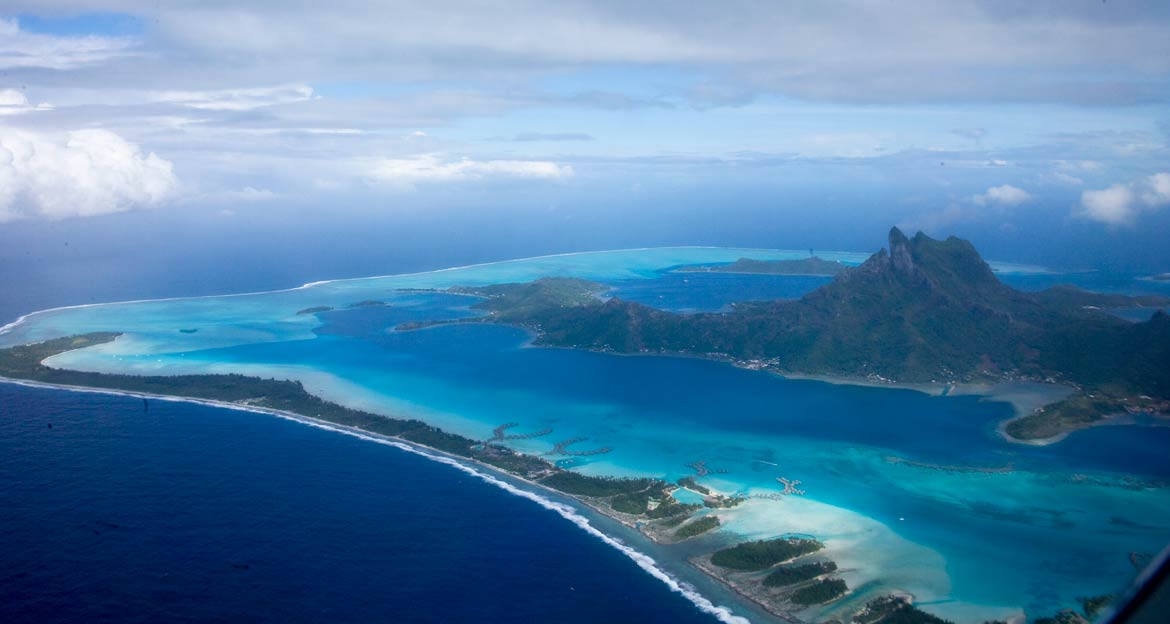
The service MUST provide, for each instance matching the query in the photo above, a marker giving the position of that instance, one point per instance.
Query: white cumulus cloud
(1003, 195)
(1120, 204)
(81, 173)
(13, 102)
(433, 168)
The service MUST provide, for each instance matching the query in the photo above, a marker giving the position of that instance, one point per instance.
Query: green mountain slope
(925, 310)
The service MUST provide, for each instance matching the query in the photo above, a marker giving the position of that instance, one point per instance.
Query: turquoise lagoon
(910, 492)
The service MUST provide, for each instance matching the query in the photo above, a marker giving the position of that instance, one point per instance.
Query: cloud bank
(433, 168)
(83, 173)
(1121, 204)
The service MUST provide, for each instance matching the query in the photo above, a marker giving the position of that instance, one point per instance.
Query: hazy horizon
(1040, 133)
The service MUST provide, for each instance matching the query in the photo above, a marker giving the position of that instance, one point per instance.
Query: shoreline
(1117, 419)
(704, 565)
(481, 470)
(1011, 392)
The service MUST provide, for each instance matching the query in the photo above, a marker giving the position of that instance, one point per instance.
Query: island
(804, 266)
(642, 503)
(315, 310)
(923, 311)
(920, 294)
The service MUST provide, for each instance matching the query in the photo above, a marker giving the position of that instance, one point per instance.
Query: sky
(1040, 129)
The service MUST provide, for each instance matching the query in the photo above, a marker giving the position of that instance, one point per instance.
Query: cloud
(432, 168)
(1065, 178)
(236, 99)
(22, 49)
(1071, 172)
(554, 136)
(83, 173)
(13, 102)
(1120, 204)
(1004, 195)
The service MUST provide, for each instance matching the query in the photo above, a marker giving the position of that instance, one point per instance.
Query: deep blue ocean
(187, 513)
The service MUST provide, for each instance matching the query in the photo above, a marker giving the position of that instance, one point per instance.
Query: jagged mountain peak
(951, 265)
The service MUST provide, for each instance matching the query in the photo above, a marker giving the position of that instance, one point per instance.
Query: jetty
(701, 469)
(561, 448)
(790, 486)
(500, 434)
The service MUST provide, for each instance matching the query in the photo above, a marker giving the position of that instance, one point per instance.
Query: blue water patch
(687, 497)
(186, 513)
(1123, 448)
(709, 292)
(1096, 281)
(490, 360)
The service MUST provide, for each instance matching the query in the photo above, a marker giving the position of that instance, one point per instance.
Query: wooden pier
(561, 448)
(500, 434)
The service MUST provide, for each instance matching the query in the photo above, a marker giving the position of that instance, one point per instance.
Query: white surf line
(647, 563)
(10, 326)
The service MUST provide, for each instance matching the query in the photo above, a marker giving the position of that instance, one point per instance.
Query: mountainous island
(921, 311)
(803, 266)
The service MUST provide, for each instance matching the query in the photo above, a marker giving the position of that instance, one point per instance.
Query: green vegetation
(689, 483)
(1072, 413)
(803, 266)
(791, 575)
(895, 610)
(315, 310)
(673, 521)
(517, 302)
(926, 310)
(670, 508)
(596, 487)
(368, 303)
(513, 462)
(188, 331)
(698, 527)
(23, 362)
(819, 592)
(634, 503)
(763, 554)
